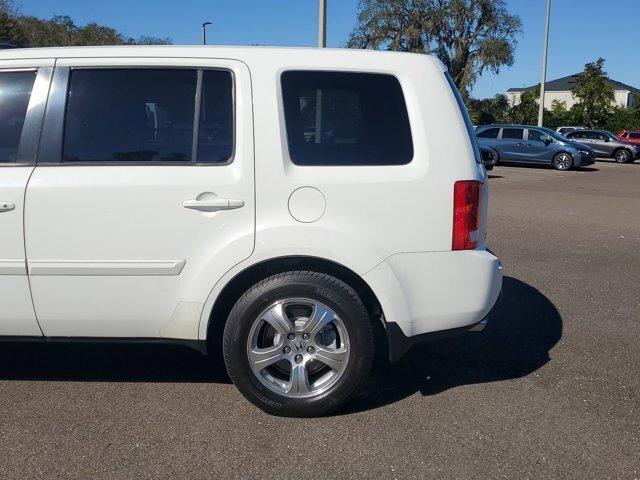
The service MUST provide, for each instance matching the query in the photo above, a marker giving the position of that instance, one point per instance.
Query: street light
(544, 64)
(204, 32)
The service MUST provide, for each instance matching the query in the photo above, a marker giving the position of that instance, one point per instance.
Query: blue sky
(581, 30)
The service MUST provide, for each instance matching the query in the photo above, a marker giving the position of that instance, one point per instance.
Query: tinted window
(215, 136)
(489, 133)
(15, 91)
(512, 133)
(337, 118)
(634, 135)
(537, 135)
(572, 135)
(130, 115)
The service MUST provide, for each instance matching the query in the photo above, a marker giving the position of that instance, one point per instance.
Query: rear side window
(515, 133)
(148, 115)
(489, 133)
(15, 92)
(215, 133)
(343, 118)
(634, 135)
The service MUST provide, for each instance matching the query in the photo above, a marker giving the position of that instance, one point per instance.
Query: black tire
(622, 155)
(328, 290)
(491, 157)
(562, 161)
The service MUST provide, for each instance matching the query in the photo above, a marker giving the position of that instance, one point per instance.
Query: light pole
(204, 32)
(322, 23)
(544, 64)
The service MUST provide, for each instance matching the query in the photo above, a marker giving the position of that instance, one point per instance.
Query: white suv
(281, 204)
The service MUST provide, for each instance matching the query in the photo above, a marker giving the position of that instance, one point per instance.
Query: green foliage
(595, 94)
(469, 36)
(525, 112)
(488, 110)
(10, 30)
(623, 119)
(558, 115)
(61, 31)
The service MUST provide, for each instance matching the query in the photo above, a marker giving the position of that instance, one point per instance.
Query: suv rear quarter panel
(371, 212)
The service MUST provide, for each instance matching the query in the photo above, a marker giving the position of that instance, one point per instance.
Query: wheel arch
(613, 154)
(243, 280)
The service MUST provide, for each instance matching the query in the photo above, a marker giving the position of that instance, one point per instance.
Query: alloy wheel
(622, 156)
(298, 348)
(563, 161)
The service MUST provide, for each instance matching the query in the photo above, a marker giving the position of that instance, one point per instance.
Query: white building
(560, 89)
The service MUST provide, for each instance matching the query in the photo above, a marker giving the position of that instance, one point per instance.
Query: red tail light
(466, 203)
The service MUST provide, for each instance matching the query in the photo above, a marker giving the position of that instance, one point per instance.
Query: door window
(537, 136)
(15, 92)
(514, 133)
(147, 116)
(343, 118)
(489, 133)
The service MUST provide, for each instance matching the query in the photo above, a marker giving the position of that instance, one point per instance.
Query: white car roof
(342, 57)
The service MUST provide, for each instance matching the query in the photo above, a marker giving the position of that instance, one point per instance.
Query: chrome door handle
(213, 204)
(6, 206)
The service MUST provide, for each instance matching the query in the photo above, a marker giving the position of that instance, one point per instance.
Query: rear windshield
(467, 120)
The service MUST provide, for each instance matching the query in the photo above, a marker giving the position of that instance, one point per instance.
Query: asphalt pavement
(551, 389)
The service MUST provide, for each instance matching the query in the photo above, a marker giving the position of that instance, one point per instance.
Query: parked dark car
(531, 144)
(606, 144)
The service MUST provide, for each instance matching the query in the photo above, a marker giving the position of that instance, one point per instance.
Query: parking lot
(551, 389)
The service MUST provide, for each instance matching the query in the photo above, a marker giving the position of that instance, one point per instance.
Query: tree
(623, 119)
(595, 94)
(468, 36)
(488, 110)
(61, 31)
(526, 111)
(558, 115)
(10, 30)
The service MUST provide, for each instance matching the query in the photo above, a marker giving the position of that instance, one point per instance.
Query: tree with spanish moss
(468, 36)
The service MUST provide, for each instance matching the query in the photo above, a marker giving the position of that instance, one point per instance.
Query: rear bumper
(422, 293)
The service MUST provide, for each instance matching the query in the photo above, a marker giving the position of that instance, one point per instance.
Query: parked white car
(279, 203)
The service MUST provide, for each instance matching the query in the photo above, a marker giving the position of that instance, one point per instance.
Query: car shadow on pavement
(107, 362)
(523, 327)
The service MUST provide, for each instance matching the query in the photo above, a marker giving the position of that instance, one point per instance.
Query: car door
(511, 145)
(536, 149)
(143, 196)
(595, 140)
(23, 94)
